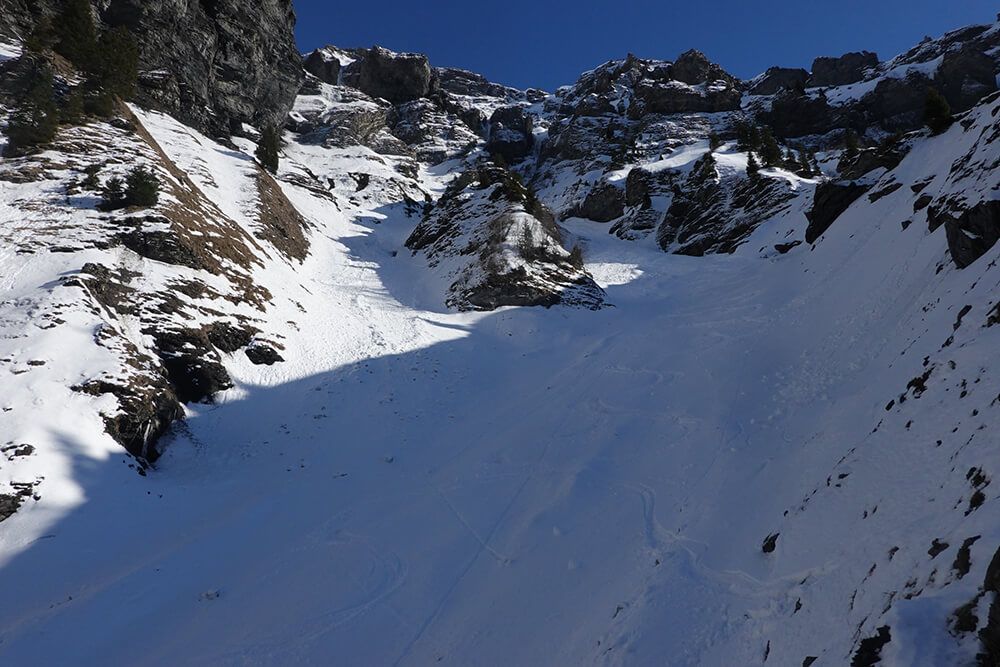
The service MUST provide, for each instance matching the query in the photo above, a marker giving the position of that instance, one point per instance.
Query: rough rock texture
(973, 233)
(794, 114)
(510, 133)
(693, 67)
(604, 203)
(499, 246)
(215, 65)
(712, 214)
(323, 66)
(848, 68)
(396, 77)
(831, 200)
(776, 79)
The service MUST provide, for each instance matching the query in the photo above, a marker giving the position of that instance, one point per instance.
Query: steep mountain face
(213, 64)
(751, 421)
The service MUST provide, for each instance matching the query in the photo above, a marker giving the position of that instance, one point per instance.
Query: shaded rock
(9, 504)
(191, 364)
(322, 65)
(637, 188)
(162, 247)
(896, 105)
(886, 156)
(965, 76)
(989, 635)
(771, 543)
(228, 338)
(263, 355)
(831, 200)
(215, 65)
(669, 97)
(776, 79)
(869, 652)
(846, 69)
(511, 133)
(396, 77)
(710, 214)
(793, 114)
(147, 408)
(973, 233)
(604, 203)
(693, 67)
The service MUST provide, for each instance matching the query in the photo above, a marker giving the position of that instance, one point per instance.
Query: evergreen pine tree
(115, 65)
(267, 149)
(73, 111)
(805, 166)
(770, 151)
(937, 112)
(753, 168)
(75, 32)
(791, 162)
(35, 121)
(42, 37)
(142, 188)
(706, 168)
(714, 141)
(113, 194)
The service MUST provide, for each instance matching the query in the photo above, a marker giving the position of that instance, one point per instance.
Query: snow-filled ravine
(540, 486)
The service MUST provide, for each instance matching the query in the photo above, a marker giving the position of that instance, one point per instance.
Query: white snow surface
(525, 487)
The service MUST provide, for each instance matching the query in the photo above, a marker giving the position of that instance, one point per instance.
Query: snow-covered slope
(778, 453)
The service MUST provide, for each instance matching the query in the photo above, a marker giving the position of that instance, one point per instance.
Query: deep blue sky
(545, 43)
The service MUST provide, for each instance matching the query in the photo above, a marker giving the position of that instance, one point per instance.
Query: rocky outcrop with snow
(753, 423)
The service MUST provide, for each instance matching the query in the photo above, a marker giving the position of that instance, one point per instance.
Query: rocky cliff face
(414, 198)
(215, 65)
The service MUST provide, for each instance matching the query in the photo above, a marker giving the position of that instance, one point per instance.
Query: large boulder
(215, 65)
(793, 114)
(832, 199)
(604, 203)
(323, 65)
(897, 105)
(973, 233)
(848, 68)
(776, 79)
(396, 77)
(511, 133)
(965, 76)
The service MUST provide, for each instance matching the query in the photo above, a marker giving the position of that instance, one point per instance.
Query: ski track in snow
(529, 486)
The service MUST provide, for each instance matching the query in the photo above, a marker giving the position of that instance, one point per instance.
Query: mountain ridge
(749, 423)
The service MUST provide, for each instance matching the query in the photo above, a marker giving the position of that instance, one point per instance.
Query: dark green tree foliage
(34, 122)
(267, 149)
(748, 136)
(937, 112)
(142, 188)
(115, 67)
(706, 168)
(76, 37)
(42, 37)
(113, 194)
(139, 188)
(90, 182)
(73, 110)
(770, 151)
(806, 168)
(753, 168)
(714, 140)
